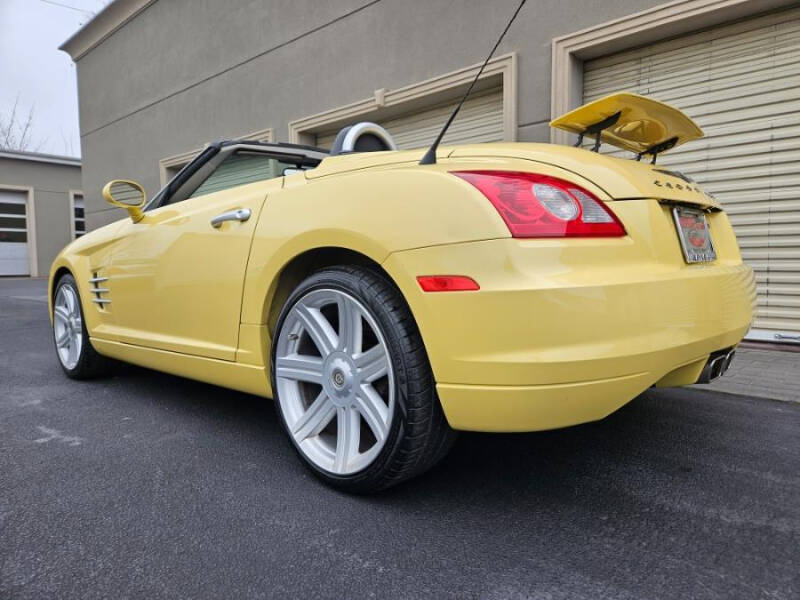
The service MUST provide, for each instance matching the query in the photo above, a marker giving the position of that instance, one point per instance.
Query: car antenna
(430, 155)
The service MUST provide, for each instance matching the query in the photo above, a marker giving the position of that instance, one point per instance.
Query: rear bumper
(537, 407)
(564, 332)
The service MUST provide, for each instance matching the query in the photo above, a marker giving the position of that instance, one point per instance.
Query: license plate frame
(691, 225)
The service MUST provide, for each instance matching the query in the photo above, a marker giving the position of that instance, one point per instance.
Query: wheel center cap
(340, 379)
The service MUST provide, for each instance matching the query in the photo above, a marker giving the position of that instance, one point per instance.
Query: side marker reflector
(447, 283)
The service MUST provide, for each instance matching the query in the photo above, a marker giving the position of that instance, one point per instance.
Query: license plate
(694, 235)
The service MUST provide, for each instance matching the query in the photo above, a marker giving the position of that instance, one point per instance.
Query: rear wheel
(74, 350)
(353, 384)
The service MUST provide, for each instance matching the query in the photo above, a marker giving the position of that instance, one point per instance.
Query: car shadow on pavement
(653, 431)
(560, 465)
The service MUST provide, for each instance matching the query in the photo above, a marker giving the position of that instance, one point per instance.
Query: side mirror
(128, 195)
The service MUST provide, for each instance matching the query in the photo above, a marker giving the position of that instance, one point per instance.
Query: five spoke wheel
(67, 326)
(334, 381)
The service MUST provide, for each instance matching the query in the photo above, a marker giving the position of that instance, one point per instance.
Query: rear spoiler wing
(631, 122)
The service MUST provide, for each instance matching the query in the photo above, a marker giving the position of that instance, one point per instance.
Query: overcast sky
(33, 68)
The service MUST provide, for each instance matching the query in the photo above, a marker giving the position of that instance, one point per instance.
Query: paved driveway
(144, 485)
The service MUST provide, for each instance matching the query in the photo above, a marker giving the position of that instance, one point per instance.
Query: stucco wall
(51, 184)
(184, 72)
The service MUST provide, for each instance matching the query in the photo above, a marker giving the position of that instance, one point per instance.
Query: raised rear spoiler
(631, 122)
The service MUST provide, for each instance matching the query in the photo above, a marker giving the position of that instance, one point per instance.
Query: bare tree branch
(25, 133)
(17, 133)
(8, 126)
(67, 144)
(38, 146)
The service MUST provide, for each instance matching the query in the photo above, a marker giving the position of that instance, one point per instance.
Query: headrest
(362, 137)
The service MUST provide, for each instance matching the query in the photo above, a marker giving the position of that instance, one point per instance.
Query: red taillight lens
(447, 283)
(541, 206)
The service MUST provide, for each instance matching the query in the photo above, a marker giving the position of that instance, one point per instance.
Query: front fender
(77, 265)
(80, 257)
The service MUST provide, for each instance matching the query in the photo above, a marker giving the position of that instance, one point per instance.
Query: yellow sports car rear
(567, 330)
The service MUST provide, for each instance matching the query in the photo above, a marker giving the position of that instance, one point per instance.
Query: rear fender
(373, 212)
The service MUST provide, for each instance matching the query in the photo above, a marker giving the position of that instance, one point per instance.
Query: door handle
(239, 214)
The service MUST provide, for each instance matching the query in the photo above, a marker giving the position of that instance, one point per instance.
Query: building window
(78, 215)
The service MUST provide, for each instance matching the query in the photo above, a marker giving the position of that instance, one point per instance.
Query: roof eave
(103, 25)
(52, 159)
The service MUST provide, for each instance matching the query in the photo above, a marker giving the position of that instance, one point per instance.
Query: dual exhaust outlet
(718, 363)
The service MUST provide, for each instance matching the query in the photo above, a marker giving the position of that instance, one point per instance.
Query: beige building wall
(161, 78)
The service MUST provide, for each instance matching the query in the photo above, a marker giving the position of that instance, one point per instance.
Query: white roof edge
(104, 23)
(38, 157)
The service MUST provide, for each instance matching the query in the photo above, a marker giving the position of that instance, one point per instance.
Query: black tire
(90, 364)
(419, 435)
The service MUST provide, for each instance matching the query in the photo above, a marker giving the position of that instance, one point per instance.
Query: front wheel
(77, 357)
(354, 387)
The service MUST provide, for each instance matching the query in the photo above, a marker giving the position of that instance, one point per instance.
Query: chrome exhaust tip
(718, 363)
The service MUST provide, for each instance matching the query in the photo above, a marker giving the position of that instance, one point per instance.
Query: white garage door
(13, 234)
(479, 120)
(741, 83)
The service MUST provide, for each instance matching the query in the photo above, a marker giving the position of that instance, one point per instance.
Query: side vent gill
(99, 292)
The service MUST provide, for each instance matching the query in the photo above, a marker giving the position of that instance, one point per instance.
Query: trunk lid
(620, 178)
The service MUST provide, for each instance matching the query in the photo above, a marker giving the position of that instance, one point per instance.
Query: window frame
(264, 158)
(73, 233)
(191, 176)
(178, 161)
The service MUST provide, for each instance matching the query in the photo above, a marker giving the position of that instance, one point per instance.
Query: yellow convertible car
(387, 302)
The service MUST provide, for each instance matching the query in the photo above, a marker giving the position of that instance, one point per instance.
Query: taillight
(542, 206)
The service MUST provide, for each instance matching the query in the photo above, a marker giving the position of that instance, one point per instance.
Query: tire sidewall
(344, 281)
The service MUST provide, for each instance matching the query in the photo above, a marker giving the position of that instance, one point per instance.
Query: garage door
(13, 234)
(741, 83)
(479, 120)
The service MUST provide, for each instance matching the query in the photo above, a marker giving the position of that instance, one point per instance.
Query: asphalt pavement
(145, 485)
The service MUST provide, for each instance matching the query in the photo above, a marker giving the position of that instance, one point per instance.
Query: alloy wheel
(334, 380)
(67, 326)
